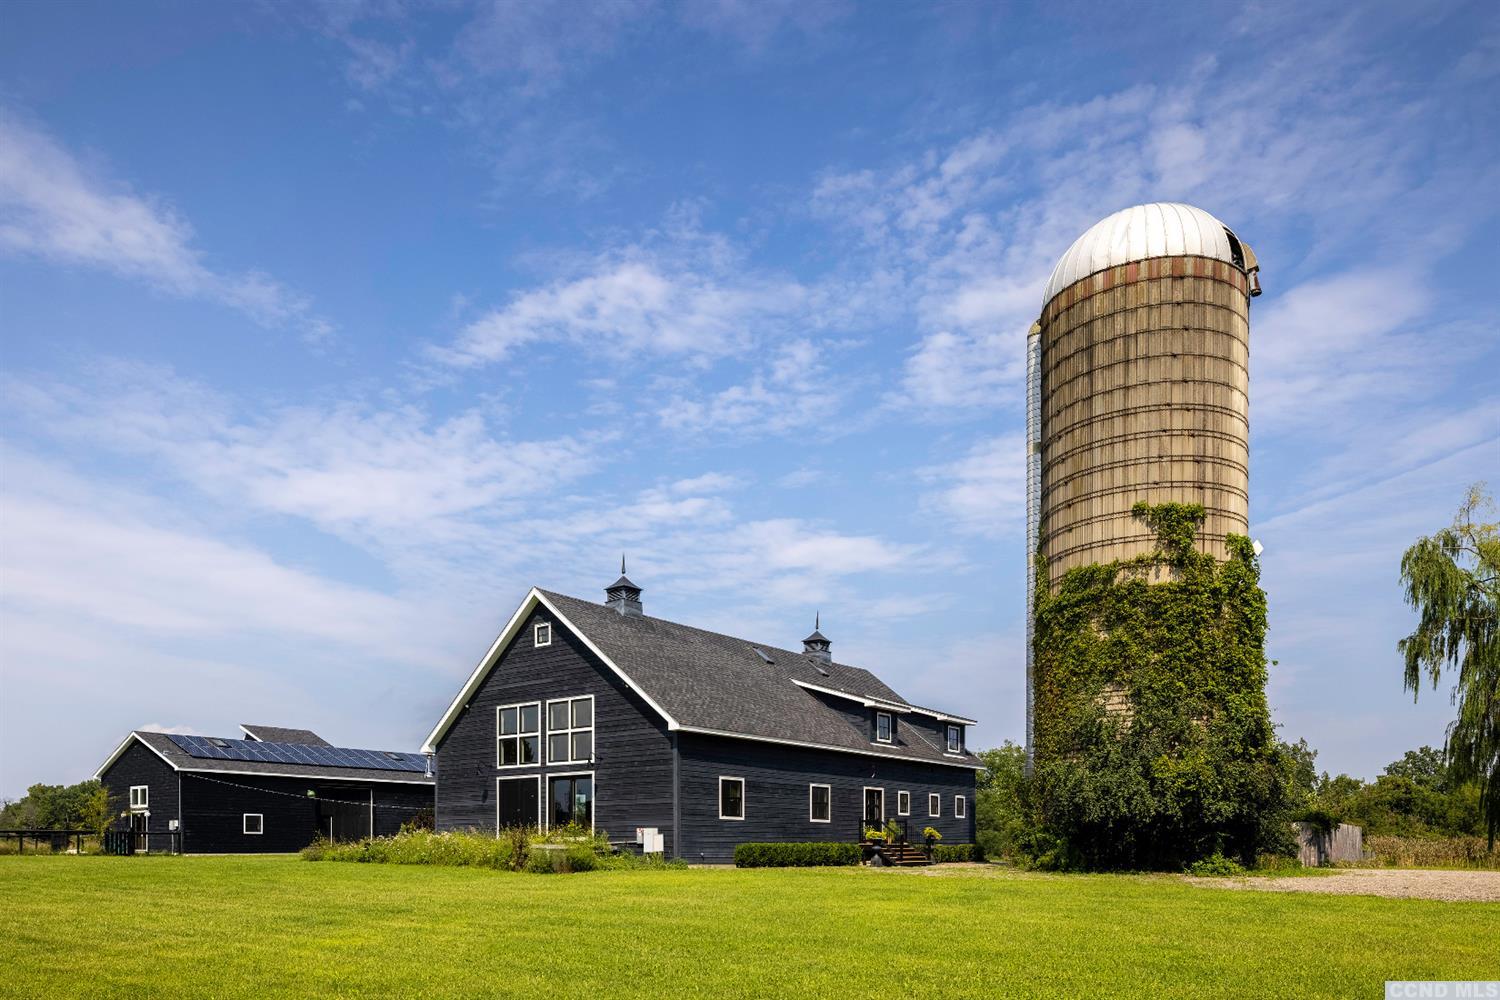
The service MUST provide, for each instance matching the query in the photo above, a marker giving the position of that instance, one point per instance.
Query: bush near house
(813, 855)
(948, 853)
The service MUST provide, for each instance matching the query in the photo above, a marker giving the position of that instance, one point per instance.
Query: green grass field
(265, 927)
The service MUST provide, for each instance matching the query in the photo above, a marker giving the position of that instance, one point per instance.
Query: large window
(883, 726)
(518, 802)
(934, 804)
(140, 796)
(903, 803)
(955, 739)
(517, 728)
(960, 806)
(570, 730)
(820, 803)
(570, 799)
(731, 798)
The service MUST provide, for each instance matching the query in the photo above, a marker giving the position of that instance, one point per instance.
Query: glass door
(570, 799)
(874, 807)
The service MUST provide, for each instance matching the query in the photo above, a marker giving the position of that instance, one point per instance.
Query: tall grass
(565, 849)
(1431, 852)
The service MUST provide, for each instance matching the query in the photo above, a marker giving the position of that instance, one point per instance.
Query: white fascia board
(124, 744)
(533, 598)
(825, 746)
(870, 701)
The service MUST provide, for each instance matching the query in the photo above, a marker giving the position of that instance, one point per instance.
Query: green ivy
(1188, 766)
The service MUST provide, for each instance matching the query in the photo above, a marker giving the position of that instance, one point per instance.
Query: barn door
(139, 822)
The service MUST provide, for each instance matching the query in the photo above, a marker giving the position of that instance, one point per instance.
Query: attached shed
(212, 795)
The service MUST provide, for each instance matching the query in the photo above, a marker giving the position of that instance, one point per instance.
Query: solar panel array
(214, 748)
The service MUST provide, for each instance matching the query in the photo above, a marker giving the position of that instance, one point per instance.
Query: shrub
(811, 855)
(949, 853)
(1216, 865)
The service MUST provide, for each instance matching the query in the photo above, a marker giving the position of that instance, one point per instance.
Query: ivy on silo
(1153, 743)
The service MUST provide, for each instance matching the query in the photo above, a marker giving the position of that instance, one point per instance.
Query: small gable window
(955, 739)
(934, 804)
(541, 634)
(731, 798)
(883, 727)
(140, 796)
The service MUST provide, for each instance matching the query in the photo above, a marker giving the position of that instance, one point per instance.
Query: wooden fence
(1316, 848)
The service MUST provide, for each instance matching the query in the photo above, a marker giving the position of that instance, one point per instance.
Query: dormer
(885, 726)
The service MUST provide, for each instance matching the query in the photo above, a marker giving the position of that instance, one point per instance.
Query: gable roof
(280, 734)
(178, 759)
(706, 682)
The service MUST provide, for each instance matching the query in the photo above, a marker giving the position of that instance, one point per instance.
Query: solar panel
(213, 748)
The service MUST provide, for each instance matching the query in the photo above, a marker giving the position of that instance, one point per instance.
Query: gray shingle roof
(281, 734)
(705, 680)
(183, 761)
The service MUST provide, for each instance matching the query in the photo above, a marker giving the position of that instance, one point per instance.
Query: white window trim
(145, 802)
(536, 634)
(540, 746)
(591, 728)
(960, 807)
(546, 800)
(810, 817)
(540, 799)
(245, 825)
(891, 720)
(934, 804)
(955, 737)
(903, 795)
(744, 805)
(863, 795)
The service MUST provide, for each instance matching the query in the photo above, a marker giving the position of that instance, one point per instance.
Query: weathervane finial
(622, 564)
(818, 621)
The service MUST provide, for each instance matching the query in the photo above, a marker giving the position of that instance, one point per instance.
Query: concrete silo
(1138, 390)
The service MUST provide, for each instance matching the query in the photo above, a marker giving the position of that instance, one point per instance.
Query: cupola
(817, 644)
(624, 596)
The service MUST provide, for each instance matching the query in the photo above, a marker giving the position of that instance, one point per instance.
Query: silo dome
(1163, 229)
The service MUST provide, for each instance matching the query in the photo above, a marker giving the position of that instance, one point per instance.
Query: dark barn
(598, 714)
(276, 790)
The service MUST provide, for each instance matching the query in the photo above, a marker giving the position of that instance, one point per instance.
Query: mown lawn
(265, 927)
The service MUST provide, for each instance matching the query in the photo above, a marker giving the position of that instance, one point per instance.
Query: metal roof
(1162, 229)
(165, 747)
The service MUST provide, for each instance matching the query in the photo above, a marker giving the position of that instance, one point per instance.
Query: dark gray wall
(776, 794)
(632, 750)
(214, 807)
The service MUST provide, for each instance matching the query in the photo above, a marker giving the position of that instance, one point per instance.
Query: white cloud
(794, 391)
(54, 209)
(984, 492)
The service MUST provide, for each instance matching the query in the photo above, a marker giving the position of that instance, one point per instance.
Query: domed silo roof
(1163, 229)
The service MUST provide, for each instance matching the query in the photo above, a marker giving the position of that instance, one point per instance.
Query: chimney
(624, 596)
(817, 644)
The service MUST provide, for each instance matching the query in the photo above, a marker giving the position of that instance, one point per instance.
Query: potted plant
(874, 834)
(932, 837)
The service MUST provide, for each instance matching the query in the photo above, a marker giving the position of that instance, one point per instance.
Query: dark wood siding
(215, 805)
(776, 794)
(140, 765)
(632, 750)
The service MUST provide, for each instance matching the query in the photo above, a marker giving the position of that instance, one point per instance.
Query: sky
(327, 331)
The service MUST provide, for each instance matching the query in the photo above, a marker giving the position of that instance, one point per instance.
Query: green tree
(1452, 579)
(1425, 766)
(1001, 811)
(97, 809)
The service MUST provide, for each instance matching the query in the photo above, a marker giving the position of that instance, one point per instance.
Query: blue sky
(329, 330)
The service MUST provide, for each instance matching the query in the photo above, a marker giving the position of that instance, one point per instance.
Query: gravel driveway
(1473, 886)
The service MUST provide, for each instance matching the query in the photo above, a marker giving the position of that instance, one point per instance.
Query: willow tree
(1452, 579)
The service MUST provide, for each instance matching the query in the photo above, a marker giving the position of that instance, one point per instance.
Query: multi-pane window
(883, 727)
(139, 796)
(517, 727)
(820, 803)
(570, 730)
(960, 806)
(934, 804)
(541, 634)
(955, 739)
(903, 803)
(731, 798)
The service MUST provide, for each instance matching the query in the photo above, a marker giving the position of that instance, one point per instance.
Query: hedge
(795, 855)
(955, 852)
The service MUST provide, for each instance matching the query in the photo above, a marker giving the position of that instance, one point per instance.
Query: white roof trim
(533, 598)
(825, 746)
(869, 701)
(134, 735)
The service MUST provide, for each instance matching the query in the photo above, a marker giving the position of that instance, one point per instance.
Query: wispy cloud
(983, 492)
(53, 208)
